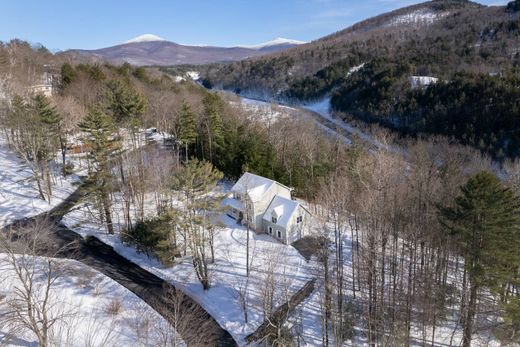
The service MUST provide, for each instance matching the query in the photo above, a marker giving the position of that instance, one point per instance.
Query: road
(195, 325)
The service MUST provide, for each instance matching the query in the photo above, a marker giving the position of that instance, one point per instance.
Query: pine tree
(486, 221)
(45, 111)
(51, 121)
(102, 146)
(68, 74)
(188, 126)
(124, 103)
(214, 125)
(195, 180)
(48, 121)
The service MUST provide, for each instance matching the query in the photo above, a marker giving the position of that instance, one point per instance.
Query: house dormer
(276, 214)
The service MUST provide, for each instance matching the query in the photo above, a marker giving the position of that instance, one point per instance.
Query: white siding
(262, 205)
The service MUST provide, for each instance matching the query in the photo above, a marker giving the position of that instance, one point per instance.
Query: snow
(275, 42)
(422, 81)
(84, 295)
(322, 108)
(233, 203)
(194, 75)
(355, 69)
(145, 38)
(282, 209)
(263, 112)
(228, 274)
(19, 197)
(255, 186)
(421, 16)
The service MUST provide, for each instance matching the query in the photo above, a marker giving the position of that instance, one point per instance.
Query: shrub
(152, 237)
(114, 307)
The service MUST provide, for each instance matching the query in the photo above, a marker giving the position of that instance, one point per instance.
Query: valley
(360, 188)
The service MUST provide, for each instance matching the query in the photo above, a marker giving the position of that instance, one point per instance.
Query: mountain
(418, 30)
(149, 49)
(373, 71)
(275, 45)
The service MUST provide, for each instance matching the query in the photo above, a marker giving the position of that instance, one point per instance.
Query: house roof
(255, 185)
(283, 209)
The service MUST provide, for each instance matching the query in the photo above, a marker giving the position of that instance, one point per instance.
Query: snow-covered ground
(275, 42)
(355, 69)
(19, 196)
(421, 16)
(228, 274)
(264, 112)
(322, 108)
(96, 310)
(422, 81)
(194, 75)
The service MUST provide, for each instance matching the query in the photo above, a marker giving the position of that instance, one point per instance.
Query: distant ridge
(150, 49)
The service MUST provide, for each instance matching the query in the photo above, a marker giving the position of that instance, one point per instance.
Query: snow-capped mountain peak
(145, 38)
(275, 42)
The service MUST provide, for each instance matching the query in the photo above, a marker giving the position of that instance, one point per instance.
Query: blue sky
(63, 24)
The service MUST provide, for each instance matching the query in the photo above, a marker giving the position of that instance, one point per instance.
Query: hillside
(436, 37)
(388, 263)
(152, 50)
(432, 41)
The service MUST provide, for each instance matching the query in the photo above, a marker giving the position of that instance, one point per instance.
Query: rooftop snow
(283, 209)
(255, 185)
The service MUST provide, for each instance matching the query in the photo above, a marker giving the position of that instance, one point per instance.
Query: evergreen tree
(45, 111)
(124, 103)
(214, 126)
(102, 146)
(486, 221)
(513, 6)
(68, 74)
(51, 121)
(195, 181)
(188, 126)
(47, 120)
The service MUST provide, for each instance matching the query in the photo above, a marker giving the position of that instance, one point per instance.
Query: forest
(418, 246)
(470, 48)
(476, 109)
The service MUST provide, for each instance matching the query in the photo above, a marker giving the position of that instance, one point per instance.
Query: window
(299, 219)
(270, 230)
(274, 220)
(279, 234)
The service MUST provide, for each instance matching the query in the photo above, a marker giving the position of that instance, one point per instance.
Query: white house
(266, 206)
(46, 85)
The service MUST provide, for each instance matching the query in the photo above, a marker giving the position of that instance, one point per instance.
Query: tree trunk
(106, 209)
(470, 316)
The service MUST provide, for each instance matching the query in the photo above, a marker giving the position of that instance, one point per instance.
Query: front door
(240, 217)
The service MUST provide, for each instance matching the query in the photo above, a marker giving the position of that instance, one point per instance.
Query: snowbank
(85, 297)
(19, 197)
(290, 271)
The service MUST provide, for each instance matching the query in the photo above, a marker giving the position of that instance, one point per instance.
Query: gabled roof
(283, 209)
(255, 185)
